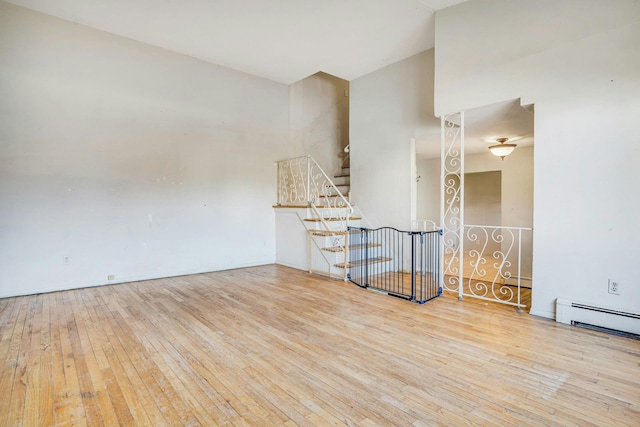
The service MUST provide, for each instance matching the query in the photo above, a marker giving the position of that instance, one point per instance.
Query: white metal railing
(346, 157)
(452, 198)
(301, 181)
(494, 264)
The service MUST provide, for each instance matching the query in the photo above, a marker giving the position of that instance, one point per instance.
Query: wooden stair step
(331, 195)
(343, 175)
(327, 233)
(350, 264)
(351, 247)
(292, 206)
(355, 218)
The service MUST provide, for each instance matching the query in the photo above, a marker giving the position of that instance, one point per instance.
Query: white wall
(292, 240)
(120, 158)
(319, 119)
(389, 107)
(578, 62)
(428, 197)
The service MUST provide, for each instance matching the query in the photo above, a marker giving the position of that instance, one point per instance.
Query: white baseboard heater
(600, 318)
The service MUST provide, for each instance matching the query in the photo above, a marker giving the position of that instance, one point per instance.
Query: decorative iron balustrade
(452, 195)
(405, 264)
(302, 182)
(494, 264)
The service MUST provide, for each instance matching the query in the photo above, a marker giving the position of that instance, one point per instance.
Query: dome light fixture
(501, 149)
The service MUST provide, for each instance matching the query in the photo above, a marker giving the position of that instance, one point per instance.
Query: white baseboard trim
(542, 313)
(297, 267)
(129, 279)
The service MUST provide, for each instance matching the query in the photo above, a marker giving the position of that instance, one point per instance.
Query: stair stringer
(331, 245)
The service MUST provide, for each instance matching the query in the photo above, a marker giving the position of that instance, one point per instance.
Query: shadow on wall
(319, 119)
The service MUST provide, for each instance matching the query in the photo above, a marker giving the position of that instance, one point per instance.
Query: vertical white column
(461, 195)
(442, 201)
(308, 190)
(413, 183)
(451, 209)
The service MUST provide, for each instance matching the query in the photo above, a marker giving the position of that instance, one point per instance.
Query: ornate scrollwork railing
(493, 265)
(452, 198)
(301, 181)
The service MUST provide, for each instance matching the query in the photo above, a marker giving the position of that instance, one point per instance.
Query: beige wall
(517, 185)
(483, 198)
(319, 119)
(516, 192)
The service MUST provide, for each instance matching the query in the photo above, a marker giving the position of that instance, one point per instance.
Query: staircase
(329, 230)
(325, 213)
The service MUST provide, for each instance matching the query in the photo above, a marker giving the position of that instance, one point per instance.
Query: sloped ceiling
(281, 40)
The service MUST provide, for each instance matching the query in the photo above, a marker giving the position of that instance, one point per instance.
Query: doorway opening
(483, 203)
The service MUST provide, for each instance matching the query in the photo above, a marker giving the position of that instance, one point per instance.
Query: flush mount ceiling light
(502, 150)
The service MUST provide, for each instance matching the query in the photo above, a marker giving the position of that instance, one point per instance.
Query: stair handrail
(347, 151)
(300, 183)
(346, 204)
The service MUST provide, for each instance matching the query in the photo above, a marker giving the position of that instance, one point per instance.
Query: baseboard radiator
(600, 318)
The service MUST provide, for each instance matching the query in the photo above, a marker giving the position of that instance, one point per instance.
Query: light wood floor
(480, 281)
(275, 346)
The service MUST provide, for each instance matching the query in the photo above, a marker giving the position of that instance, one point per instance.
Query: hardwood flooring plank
(45, 417)
(144, 404)
(58, 389)
(12, 330)
(18, 392)
(83, 359)
(271, 345)
(31, 376)
(149, 375)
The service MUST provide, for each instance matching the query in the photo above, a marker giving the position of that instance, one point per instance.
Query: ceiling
(482, 126)
(281, 40)
(288, 40)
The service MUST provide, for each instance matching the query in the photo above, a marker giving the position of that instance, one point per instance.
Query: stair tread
(355, 218)
(343, 175)
(291, 206)
(331, 233)
(308, 207)
(351, 247)
(361, 262)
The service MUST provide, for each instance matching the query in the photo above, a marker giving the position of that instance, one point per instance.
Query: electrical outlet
(614, 287)
(111, 277)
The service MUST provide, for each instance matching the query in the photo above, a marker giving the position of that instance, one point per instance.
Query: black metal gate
(405, 264)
